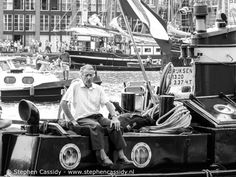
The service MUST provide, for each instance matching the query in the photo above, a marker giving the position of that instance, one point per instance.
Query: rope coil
(180, 118)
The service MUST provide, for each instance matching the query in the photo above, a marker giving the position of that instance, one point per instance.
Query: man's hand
(74, 122)
(116, 123)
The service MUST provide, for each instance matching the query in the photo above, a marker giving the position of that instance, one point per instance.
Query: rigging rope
(164, 86)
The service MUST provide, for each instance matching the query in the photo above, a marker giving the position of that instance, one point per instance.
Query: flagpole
(138, 56)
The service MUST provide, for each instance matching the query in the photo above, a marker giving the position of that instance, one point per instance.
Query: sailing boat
(111, 49)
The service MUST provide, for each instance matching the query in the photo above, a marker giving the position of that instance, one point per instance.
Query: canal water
(112, 81)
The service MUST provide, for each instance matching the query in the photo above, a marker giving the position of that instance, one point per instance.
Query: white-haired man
(86, 99)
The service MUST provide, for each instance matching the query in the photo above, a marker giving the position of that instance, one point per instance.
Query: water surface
(113, 83)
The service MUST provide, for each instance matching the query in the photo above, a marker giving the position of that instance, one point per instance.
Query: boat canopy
(88, 31)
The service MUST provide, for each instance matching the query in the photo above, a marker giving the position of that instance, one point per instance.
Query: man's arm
(114, 117)
(111, 109)
(66, 109)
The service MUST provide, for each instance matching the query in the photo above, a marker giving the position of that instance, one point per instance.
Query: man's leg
(95, 132)
(97, 139)
(117, 140)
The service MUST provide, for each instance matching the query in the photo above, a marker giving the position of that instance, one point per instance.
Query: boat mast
(84, 14)
(138, 56)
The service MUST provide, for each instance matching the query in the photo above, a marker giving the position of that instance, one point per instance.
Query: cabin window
(157, 50)
(10, 80)
(147, 50)
(28, 80)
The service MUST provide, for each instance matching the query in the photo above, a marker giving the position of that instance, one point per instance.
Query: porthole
(10, 80)
(28, 80)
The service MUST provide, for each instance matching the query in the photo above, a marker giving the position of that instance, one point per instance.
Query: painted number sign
(183, 76)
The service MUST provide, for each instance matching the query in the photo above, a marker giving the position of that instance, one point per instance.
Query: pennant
(157, 26)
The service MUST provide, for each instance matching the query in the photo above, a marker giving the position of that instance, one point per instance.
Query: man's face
(87, 77)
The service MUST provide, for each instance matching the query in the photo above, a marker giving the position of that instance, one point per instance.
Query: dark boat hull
(151, 153)
(110, 61)
(47, 92)
(118, 68)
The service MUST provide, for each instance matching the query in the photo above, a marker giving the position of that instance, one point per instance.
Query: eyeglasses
(89, 75)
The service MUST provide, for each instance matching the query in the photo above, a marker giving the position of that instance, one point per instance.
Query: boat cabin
(192, 136)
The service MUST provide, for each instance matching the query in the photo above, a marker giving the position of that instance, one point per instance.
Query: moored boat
(200, 142)
(106, 57)
(29, 83)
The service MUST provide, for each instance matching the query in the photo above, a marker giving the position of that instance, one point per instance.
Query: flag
(157, 26)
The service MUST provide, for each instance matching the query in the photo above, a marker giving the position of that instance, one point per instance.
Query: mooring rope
(177, 118)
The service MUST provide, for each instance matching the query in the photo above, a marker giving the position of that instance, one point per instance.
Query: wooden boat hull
(46, 92)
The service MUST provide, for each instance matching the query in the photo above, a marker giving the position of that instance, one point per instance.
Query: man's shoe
(124, 161)
(106, 162)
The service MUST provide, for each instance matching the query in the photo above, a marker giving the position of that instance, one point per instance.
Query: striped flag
(157, 26)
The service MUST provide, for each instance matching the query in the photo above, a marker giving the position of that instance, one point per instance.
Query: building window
(18, 5)
(19, 22)
(44, 23)
(44, 4)
(78, 5)
(101, 5)
(55, 4)
(29, 4)
(66, 5)
(55, 23)
(8, 22)
(7, 4)
(30, 22)
(93, 6)
(65, 22)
